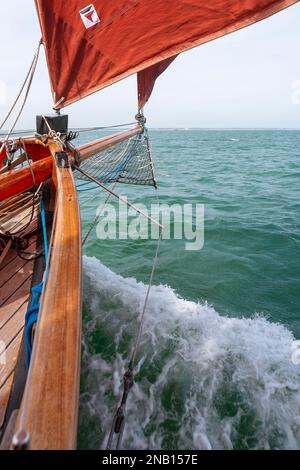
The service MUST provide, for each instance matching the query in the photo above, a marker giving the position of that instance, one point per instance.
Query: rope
(90, 129)
(73, 129)
(29, 79)
(138, 340)
(97, 218)
(22, 229)
(21, 439)
(33, 311)
(139, 211)
(53, 134)
(20, 92)
(86, 189)
(31, 318)
(22, 132)
(118, 423)
(128, 162)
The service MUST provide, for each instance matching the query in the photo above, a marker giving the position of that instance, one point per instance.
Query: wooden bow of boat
(43, 401)
(54, 375)
(50, 402)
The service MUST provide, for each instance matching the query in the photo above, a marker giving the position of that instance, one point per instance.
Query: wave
(204, 381)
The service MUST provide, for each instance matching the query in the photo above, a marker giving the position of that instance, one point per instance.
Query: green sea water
(215, 368)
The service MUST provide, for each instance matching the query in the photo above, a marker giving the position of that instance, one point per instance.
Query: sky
(248, 79)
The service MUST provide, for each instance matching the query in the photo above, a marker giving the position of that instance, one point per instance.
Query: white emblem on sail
(89, 16)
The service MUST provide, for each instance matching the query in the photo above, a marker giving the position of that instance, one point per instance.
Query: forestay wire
(78, 130)
(118, 424)
(128, 162)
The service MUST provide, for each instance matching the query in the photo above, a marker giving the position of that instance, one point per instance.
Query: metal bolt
(21, 440)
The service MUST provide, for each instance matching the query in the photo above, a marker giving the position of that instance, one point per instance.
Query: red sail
(147, 77)
(91, 46)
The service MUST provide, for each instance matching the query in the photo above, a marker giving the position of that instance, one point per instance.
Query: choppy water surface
(215, 366)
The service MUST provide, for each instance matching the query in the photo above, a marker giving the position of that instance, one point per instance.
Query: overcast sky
(250, 78)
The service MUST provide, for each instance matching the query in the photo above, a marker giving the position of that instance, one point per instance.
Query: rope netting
(128, 162)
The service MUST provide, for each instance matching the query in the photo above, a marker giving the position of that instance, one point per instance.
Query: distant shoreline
(230, 129)
(224, 128)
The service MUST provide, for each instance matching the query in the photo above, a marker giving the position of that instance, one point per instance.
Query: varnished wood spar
(21, 159)
(50, 404)
(88, 150)
(20, 180)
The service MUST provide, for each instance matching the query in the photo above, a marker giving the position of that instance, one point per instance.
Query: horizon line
(180, 128)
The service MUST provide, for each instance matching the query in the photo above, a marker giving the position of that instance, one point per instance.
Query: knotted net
(128, 162)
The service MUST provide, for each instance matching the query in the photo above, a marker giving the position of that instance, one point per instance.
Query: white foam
(206, 381)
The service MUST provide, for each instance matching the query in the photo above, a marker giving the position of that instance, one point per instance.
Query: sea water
(215, 368)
